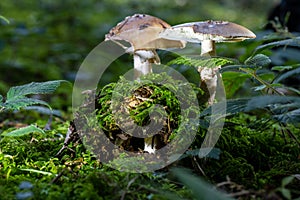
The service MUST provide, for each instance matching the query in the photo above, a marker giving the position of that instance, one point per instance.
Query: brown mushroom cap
(142, 32)
(218, 31)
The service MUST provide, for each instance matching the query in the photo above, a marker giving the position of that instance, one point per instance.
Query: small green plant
(18, 98)
(283, 190)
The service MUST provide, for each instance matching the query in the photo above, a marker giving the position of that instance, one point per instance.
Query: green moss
(253, 157)
(136, 100)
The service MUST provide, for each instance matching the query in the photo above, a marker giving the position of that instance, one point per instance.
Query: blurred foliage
(49, 39)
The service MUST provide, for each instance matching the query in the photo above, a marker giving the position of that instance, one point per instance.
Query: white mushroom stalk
(142, 60)
(208, 33)
(142, 32)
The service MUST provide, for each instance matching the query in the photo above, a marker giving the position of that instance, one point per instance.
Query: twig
(57, 177)
(127, 188)
(66, 142)
(198, 166)
(240, 193)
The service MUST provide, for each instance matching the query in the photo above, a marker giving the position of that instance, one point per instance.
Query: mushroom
(208, 33)
(142, 32)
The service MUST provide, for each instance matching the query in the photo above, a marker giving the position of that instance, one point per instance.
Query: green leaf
(233, 81)
(292, 116)
(37, 171)
(18, 103)
(24, 131)
(267, 101)
(258, 60)
(200, 189)
(16, 96)
(4, 19)
(283, 109)
(285, 181)
(236, 105)
(289, 42)
(44, 110)
(281, 68)
(233, 106)
(286, 193)
(33, 88)
(288, 74)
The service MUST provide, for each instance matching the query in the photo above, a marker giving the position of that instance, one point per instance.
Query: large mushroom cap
(142, 32)
(218, 31)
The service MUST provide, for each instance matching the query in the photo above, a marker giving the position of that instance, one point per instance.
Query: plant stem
(261, 81)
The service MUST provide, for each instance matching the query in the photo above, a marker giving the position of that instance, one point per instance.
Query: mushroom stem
(208, 48)
(142, 62)
(209, 76)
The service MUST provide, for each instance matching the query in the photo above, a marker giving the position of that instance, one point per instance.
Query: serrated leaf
(18, 103)
(24, 131)
(16, 96)
(258, 60)
(289, 42)
(33, 88)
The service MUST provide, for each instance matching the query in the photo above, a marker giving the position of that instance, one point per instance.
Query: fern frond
(281, 108)
(288, 74)
(207, 62)
(289, 42)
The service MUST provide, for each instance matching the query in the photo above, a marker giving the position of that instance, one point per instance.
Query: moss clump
(135, 101)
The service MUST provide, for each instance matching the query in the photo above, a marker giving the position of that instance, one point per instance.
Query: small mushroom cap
(218, 31)
(142, 32)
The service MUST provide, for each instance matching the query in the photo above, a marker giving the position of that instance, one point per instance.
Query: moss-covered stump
(126, 112)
